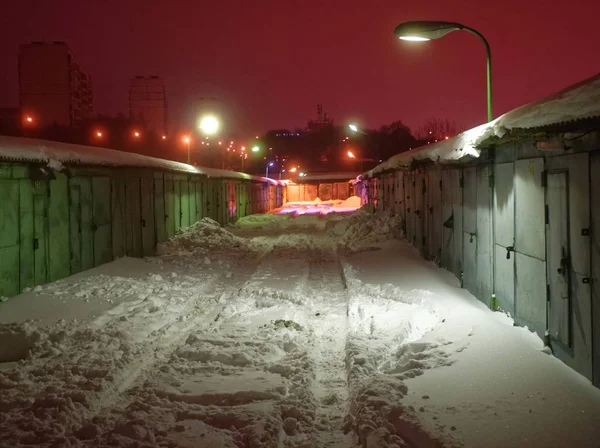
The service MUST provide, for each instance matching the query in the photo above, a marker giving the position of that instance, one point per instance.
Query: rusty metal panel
(457, 204)
(58, 222)
(470, 235)
(9, 237)
(446, 259)
(26, 236)
(101, 191)
(484, 234)
(569, 251)
(595, 248)
(147, 215)
(504, 236)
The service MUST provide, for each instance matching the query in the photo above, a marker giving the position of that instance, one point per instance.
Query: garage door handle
(509, 249)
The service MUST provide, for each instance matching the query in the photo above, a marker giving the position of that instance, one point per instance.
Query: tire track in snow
(199, 315)
(330, 385)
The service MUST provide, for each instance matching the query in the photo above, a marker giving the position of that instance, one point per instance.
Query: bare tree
(436, 129)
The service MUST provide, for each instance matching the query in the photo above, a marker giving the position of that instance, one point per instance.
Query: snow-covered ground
(292, 332)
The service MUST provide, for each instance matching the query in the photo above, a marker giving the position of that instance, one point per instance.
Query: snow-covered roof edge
(57, 154)
(328, 176)
(577, 102)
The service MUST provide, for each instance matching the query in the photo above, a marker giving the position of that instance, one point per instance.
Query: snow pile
(352, 202)
(204, 234)
(364, 231)
(265, 221)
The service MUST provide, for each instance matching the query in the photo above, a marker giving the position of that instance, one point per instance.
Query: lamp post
(267, 169)
(421, 31)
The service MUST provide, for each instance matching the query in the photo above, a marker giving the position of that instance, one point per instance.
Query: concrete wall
(519, 224)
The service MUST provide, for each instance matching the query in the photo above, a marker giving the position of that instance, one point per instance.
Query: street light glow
(29, 119)
(353, 127)
(414, 38)
(136, 134)
(98, 134)
(164, 137)
(186, 139)
(271, 163)
(209, 124)
(351, 155)
(255, 148)
(293, 170)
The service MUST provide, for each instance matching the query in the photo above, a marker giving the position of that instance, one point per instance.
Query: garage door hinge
(547, 293)
(547, 214)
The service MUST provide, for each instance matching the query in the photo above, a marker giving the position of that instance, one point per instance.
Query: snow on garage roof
(327, 176)
(577, 102)
(55, 154)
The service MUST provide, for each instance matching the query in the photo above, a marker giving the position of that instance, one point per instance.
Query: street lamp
(267, 170)
(351, 155)
(356, 129)
(209, 125)
(255, 148)
(421, 31)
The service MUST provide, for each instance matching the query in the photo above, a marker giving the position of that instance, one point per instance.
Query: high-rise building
(53, 88)
(148, 103)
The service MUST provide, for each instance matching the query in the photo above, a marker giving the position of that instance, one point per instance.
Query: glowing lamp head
(186, 140)
(353, 127)
(164, 137)
(351, 155)
(422, 31)
(414, 38)
(293, 170)
(255, 149)
(271, 163)
(136, 134)
(98, 134)
(29, 119)
(209, 125)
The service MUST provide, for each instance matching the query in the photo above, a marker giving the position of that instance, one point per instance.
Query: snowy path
(286, 338)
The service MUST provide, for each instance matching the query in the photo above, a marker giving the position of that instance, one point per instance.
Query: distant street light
(209, 125)
(353, 127)
(136, 134)
(421, 31)
(99, 134)
(164, 137)
(293, 170)
(255, 148)
(267, 170)
(29, 119)
(351, 155)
